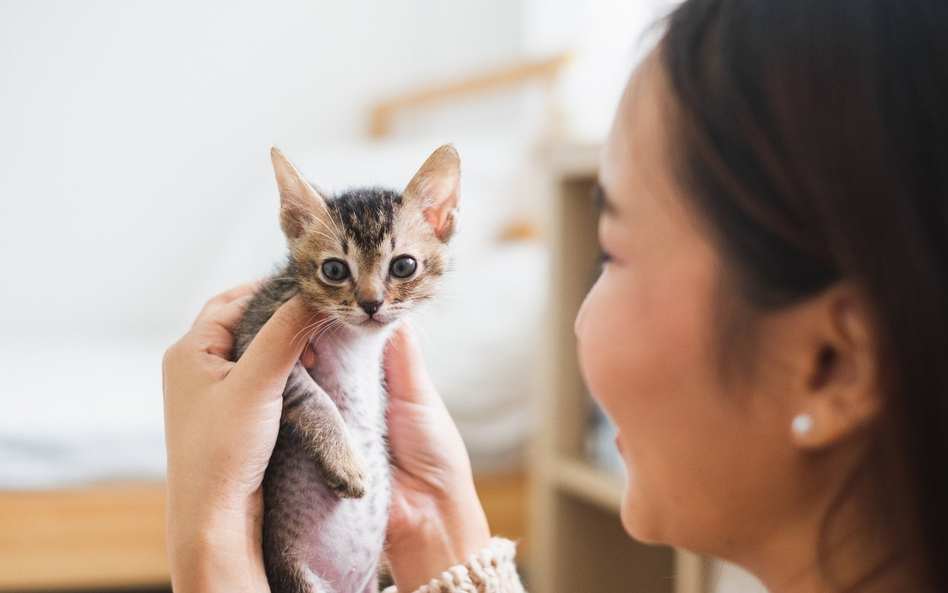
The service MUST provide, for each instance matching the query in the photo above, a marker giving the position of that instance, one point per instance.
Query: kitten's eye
(404, 267)
(335, 270)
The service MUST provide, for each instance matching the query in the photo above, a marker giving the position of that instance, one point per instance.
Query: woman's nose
(578, 323)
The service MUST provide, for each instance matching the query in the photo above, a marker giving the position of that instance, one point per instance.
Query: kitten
(362, 258)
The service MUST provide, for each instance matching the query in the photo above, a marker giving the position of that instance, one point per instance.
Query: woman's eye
(335, 270)
(404, 267)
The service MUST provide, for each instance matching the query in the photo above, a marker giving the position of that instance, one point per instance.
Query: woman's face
(706, 465)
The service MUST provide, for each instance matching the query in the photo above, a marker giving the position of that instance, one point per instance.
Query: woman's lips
(619, 443)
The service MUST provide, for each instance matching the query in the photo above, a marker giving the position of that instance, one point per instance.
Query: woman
(769, 333)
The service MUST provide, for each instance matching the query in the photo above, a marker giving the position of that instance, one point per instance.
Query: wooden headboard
(382, 114)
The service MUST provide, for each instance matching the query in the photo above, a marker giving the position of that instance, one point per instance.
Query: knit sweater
(492, 570)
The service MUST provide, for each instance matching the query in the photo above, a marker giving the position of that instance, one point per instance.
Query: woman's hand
(221, 424)
(436, 519)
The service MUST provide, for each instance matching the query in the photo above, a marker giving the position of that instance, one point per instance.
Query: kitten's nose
(370, 307)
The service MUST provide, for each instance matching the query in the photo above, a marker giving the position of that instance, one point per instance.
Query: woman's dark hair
(813, 136)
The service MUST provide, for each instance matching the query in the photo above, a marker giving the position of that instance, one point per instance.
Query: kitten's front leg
(308, 409)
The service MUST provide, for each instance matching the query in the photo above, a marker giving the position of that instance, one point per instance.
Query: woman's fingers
(276, 347)
(228, 316)
(405, 373)
(225, 298)
(218, 331)
(308, 357)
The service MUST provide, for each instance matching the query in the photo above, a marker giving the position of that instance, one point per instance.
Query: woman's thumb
(276, 347)
(405, 373)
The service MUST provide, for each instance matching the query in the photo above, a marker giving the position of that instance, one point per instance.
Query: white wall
(134, 134)
(607, 39)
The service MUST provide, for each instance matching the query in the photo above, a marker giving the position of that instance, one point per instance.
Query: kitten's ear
(436, 189)
(300, 203)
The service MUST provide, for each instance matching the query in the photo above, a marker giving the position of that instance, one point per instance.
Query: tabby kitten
(361, 259)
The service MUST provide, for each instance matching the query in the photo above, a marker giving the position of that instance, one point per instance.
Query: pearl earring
(802, 424)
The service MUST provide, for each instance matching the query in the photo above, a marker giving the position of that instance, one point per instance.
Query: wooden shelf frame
(515, 75)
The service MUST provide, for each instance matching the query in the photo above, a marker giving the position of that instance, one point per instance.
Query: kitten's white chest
(347, 534)
(349, 369)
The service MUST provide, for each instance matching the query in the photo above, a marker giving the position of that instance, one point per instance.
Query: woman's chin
(641, 523)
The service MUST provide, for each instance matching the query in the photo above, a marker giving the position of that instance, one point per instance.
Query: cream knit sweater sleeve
(492, 570)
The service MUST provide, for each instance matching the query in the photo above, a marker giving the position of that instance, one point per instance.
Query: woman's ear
(839, 392)
(436, 188)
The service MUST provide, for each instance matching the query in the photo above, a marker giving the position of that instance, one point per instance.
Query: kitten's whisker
(462, 303)
(333, 221)
(325, 329)
(309, 325)
(330, 321)
(305, 327)
(427, 337)
(322, 234)
(317, 324)
(337, 329)
(313, 335)
(324, 326)
(317, 335)
(421, 311)
(309, 339)
(335, 232)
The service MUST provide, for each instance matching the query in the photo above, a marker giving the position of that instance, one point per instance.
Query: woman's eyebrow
(603, 205)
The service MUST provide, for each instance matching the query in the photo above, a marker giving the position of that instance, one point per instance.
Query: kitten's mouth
(373, 322)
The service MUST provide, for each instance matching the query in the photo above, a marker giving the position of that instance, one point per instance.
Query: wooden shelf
(573, 161)
(589, 483)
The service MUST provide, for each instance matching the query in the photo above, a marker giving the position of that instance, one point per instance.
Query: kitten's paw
(349, 477)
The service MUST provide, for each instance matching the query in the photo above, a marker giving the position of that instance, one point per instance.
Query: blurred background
(135, 184)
